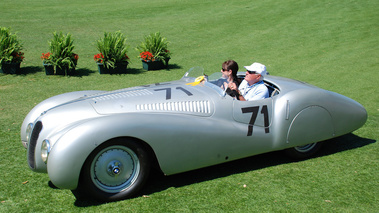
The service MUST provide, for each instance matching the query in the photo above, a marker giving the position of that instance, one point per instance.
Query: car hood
(174, 97)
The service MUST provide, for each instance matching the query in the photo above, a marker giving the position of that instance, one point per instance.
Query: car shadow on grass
(159, 182)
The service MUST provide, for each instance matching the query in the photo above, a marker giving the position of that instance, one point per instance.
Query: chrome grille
(32, 144)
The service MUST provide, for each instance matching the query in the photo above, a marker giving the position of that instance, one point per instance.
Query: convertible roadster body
(106, 141)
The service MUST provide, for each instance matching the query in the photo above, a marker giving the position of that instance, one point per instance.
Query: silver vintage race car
(105, 142)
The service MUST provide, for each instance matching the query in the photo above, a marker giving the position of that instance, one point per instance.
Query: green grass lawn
(331, 44)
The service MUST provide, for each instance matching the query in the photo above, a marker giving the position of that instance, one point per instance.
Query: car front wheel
(301, 152)
(116, 170)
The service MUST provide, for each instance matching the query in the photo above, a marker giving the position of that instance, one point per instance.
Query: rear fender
(311, 124)
(307, 116)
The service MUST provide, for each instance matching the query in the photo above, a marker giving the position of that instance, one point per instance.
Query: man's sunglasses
(251, 72)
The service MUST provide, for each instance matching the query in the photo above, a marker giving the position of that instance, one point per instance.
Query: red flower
(99, 58)
(17, 57)
(76, 56)
(45, 56)
(147, 56)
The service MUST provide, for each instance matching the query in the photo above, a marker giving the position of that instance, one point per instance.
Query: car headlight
(45, 150)
(29, 129)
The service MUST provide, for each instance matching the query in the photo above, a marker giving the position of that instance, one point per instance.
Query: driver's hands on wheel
(234, 90)
(232, 86)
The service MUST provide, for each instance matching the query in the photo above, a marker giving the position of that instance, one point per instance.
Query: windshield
(195, 75)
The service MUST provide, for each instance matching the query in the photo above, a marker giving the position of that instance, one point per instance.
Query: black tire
(115, 170)
(302, 152)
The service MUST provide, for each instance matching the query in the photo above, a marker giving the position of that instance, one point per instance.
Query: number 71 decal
(168, 91)
(254, 110)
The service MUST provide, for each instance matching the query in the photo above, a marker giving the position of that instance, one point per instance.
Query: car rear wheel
(115, 170)
(300, 152)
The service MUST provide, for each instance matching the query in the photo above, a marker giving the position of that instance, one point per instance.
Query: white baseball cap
(257, 67)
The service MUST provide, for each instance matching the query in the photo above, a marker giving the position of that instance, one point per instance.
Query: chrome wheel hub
(115, 168)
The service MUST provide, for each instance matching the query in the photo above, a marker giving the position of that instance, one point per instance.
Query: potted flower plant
(47, 63)
(61, 54)
(113, 56)
(153, 52)
(10, 52)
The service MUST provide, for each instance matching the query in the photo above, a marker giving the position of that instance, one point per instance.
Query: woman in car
(229, 73)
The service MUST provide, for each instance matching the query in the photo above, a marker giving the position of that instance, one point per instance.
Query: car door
(257, 115)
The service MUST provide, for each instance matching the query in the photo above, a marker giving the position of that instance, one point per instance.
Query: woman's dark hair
(231, 65)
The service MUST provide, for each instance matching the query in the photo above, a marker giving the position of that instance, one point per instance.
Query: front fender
(68, 155)
(50, 103)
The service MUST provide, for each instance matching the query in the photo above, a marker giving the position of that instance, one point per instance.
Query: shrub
(154, 48)
(61, 53)
(10, 47)
(113, 49)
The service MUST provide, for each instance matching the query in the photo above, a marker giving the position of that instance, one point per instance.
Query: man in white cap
(252, 87)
